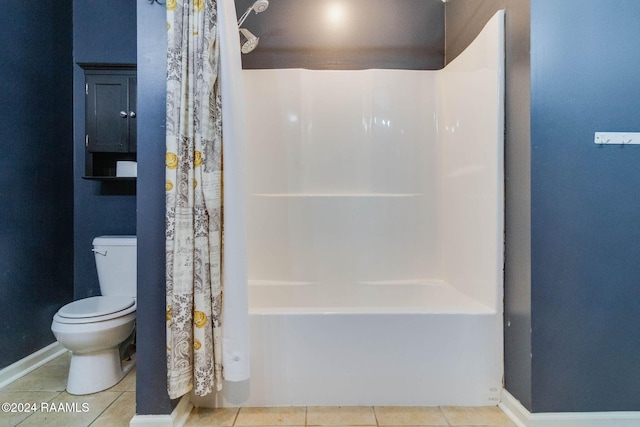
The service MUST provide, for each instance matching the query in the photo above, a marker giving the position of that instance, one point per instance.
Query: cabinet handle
(132, 114)
(123, 114)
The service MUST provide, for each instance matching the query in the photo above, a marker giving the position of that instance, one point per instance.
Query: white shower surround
(375, 234)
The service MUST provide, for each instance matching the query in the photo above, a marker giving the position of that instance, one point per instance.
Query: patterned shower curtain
(194, 208)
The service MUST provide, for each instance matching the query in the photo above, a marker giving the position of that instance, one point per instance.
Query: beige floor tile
(280, 416)
(10, 419)
(488, 425)
(409, 416)
(340, 416)
(45, 378)
(128, 383)
(218, 417)
(79, 411)
(119, 413)
(63, 359)
(476, 416)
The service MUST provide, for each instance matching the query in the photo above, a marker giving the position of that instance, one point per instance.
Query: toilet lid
(95, 306)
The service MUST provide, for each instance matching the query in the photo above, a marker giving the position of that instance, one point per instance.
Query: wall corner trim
(523, 418)
(25, 365)
(177, 418)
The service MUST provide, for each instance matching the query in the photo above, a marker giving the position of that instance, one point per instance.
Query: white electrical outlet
(619, 138)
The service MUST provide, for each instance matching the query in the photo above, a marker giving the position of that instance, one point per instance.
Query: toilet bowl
(94, 328)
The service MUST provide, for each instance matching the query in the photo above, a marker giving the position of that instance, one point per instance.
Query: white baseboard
(182, 411)
(177, 418)
(514, 409)
(523, 418)
(23, 366)
(151, 421)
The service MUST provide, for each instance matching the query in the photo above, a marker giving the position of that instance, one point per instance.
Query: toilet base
(94, 372)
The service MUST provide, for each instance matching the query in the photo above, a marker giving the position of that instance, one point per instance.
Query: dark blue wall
(36, 196)
(151, 313)
(585, 202)
(103, 32)
(579, 289)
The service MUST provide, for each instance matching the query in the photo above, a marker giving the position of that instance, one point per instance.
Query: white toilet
(94, 328)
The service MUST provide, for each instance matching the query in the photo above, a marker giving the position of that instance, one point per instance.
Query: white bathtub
(375, 234)
(375, 344)
(378, 344)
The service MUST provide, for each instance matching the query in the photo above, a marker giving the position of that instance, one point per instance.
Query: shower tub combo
(375, 215)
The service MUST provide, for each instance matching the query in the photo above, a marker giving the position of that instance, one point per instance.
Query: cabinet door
(133, 144)
(108, 113)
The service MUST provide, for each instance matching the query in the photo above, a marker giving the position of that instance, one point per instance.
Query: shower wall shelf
(328, 195)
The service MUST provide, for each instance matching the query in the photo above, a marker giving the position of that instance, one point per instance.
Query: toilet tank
(116, 262)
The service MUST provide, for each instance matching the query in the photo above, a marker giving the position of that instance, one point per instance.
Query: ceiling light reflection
(336, 13)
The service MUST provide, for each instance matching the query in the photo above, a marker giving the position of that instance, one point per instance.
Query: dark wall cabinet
(110, 119)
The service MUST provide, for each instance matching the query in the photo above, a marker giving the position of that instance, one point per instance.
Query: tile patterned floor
(350, 416)
(116, 406)
(46, 386)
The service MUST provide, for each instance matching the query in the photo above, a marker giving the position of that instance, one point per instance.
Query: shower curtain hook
(156, 1)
